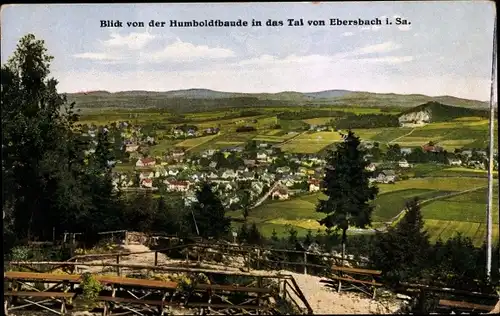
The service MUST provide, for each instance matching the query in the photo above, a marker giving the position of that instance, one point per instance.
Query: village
(260, 167)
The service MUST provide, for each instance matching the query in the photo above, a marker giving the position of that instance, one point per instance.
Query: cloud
(183, 51)
(347, 34)
(97, 56)
(388, 59)
(132, 49)
(134, 41)
(377, 48)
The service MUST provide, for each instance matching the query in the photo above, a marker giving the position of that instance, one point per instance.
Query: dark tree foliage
(402, 252)
(209, 213)
(309, 114)
(46, 181)
(367, 121)
(346, 186)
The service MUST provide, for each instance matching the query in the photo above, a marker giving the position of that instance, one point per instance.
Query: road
(262, 199)
(407, 134)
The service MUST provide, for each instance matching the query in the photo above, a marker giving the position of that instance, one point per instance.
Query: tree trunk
(344, 238)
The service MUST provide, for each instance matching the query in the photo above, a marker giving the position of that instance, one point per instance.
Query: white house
(229, 174)
(403, 163)
(454, 161)
(262, 156)
(131, 148)
(314, 185)
(371, 167)
(386, 176)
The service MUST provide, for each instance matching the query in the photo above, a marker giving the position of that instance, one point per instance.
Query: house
(284, 169)
(131, 148)
(467, 153)
(280, 193)
(249, 162)
(229, 174)
(147, 183)
(405, 151)
(213, 175)
(431, 148)
(314, 185)
(146, 175)
(257, 186)
(190, 199)
(208, 153)
(263, 145)
(262, 156)
(403, 163)
(145, 162)
(386, 176)
(173, 172)
(177, 186)
(176, 154)
(213, 164)
(454, 162)
(247, 176)
(371, 167)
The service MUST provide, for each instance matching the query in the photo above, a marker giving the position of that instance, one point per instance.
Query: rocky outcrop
(414, 119)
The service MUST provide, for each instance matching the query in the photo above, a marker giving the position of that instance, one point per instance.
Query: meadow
(444, 205)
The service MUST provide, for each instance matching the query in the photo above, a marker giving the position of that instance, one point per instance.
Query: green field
(460, 210)
(311, 142)
(194, 142)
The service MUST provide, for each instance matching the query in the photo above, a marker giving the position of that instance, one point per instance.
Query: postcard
(310, 127)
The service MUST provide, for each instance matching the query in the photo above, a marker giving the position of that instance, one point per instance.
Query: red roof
(314, 181)
(147, 160)
(147, 180)
(179, 183)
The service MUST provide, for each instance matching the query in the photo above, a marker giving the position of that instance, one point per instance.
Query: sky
(446, 50)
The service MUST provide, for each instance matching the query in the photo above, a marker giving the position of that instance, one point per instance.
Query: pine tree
(402, 252)
(254, 235)
(347, 187)
(209, 213)
(42, 153)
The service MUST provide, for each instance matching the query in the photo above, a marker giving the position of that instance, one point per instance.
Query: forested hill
(443, 113)
(203, 99)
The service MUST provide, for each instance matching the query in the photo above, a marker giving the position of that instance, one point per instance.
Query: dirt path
(407, 134)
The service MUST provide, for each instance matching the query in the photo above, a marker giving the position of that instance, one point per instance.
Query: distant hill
(441, 112)
(203, 99)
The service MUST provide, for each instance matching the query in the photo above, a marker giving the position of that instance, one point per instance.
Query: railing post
(305, 263)
(258, 259)
(259, 285)
(118, 267)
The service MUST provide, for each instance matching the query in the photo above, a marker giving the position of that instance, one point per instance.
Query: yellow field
(437, 183)
(319, 120)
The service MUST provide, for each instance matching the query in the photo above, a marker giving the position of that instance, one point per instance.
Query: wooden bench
(344, 276)
(465, 305)
(48, 297)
